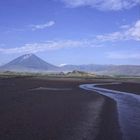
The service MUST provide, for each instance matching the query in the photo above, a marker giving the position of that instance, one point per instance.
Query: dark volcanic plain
(73, 114)
(124, 86)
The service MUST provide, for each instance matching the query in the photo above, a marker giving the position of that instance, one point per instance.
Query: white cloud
(42, 26)
(125, 26)
(61, 65)
(129, 33)
(134, 32)
(103, 4)
(123, 55)
(32, 27)
(49, 46)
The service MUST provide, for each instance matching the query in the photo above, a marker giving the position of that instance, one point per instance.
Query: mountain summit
(28, 62)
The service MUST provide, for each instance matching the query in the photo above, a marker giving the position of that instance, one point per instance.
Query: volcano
(28, 63)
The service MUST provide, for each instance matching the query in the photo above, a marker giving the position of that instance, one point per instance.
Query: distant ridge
(28, 62)
(133, 70)
(32, 63)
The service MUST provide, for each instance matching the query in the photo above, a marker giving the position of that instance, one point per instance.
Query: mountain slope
(28, 62)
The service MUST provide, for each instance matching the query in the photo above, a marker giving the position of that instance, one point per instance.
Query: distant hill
(30, 63)
(80, 73)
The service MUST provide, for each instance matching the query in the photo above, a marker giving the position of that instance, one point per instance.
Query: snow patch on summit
(26, 56)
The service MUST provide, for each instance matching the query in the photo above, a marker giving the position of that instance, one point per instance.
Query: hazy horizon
(71, 31)
(60, 65)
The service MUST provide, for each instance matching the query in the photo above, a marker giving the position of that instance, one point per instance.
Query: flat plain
(31, 108)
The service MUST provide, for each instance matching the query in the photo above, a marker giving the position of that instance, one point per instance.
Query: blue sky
(71, 31)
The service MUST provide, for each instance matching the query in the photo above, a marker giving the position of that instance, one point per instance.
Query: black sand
(74, 114)
(125, 86)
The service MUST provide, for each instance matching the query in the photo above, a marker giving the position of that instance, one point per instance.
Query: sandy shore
(48, 114)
